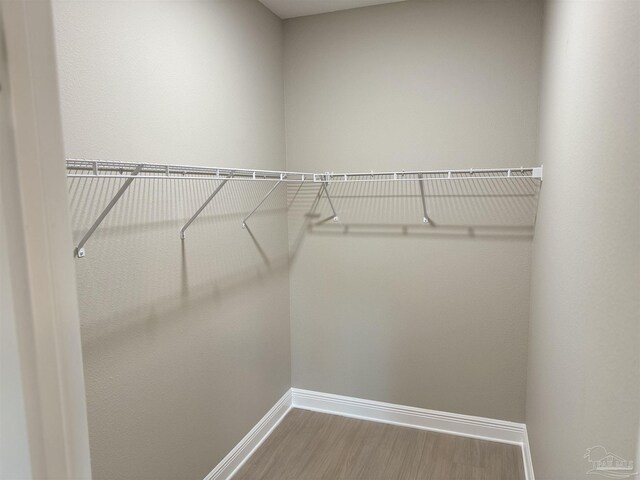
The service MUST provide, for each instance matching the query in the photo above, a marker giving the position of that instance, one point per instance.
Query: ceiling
(298, 8)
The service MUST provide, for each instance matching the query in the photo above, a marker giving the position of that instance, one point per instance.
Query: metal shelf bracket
(202, 207)
(326, 192)
(244, 221)
(425, 216)
(537, 172)
(79, 251)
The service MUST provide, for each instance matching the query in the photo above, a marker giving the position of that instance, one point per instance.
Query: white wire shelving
(130, 171)
(431, 175)
(82, 168)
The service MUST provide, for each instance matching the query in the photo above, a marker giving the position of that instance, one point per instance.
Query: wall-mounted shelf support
(314, 205)
(425, 217)
(295, 195)
(537, 172)
(202, 207)
(326, 192)
(244, 222)
(79, 252)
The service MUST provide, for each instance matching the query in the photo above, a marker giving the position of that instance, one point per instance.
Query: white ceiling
(298, 8)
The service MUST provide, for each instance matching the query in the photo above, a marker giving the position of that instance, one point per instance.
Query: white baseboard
(252, 440)
(451, 423)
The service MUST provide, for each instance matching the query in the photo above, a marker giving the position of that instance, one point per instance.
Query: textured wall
(583, 375)
(186, 345)
(430, 317)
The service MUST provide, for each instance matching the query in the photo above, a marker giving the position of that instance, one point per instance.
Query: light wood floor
(309, 445)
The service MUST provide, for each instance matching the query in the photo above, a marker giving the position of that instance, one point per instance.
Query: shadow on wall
(144, 273)
(387, 308)
(166, 322)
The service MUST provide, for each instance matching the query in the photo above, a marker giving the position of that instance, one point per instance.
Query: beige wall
(176, 333)
(186, 346)
(583, 375)
(433, 318)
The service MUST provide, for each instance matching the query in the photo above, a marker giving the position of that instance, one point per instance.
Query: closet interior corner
(314, 239)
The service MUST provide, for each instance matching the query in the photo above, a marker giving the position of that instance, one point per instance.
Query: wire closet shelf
(130, 171)
(81, 168)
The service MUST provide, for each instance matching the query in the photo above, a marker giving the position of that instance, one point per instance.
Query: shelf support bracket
(334, 215)
(202, 207)
(425, 216)
(79, 252)
(312, 210)
(294, 196)
(244, 222)
(537, 172)
(326, 192)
